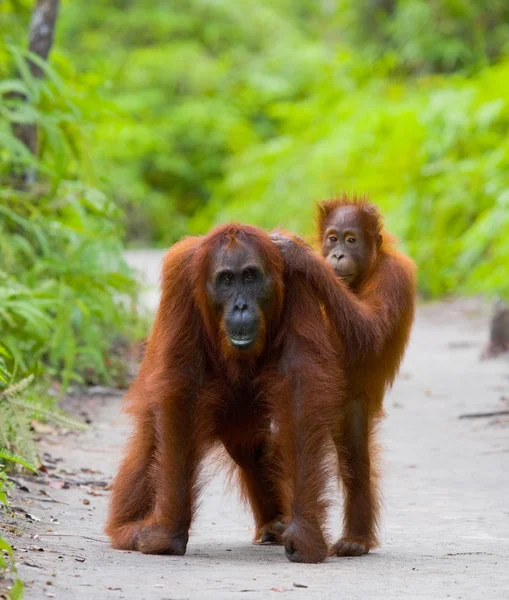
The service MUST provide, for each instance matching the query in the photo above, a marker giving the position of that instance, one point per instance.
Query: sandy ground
(446, 496)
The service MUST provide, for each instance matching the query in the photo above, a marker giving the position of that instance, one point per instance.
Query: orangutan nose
(240, 304)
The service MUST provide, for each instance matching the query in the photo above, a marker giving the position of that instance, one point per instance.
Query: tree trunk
(42, 29)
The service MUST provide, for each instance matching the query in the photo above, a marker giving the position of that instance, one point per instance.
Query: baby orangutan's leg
(359, 483)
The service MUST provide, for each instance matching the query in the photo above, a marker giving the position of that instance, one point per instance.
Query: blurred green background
(190, 113)
(158, 119)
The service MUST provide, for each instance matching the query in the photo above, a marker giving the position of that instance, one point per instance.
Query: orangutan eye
(227, 278)
(351, 240)
(333, 239)
(249, 275)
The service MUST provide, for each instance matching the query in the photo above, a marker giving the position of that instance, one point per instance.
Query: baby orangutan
(368, 290)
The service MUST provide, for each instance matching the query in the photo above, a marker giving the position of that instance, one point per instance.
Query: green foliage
(20, 403)
(205, 111)
(8, 570)
(194, 82)
(7, 457)
(7, 565)
(252, 110)
(422, 36)
(65, 291)
(66, 294)
(434, 156)
(62, 277)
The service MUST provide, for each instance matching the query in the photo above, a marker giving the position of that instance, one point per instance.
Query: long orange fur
(371, 324)
(193, 392)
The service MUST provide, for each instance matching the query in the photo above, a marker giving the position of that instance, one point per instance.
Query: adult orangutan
(368, 290)
(236, 350)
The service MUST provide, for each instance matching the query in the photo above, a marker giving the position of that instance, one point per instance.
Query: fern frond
(51, 415)
(17, 388)
(15, 458)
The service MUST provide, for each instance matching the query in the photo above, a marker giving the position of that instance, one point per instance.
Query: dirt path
(446, 489)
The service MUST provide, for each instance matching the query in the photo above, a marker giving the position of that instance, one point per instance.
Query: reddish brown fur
(372, 322)
(192, 391)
